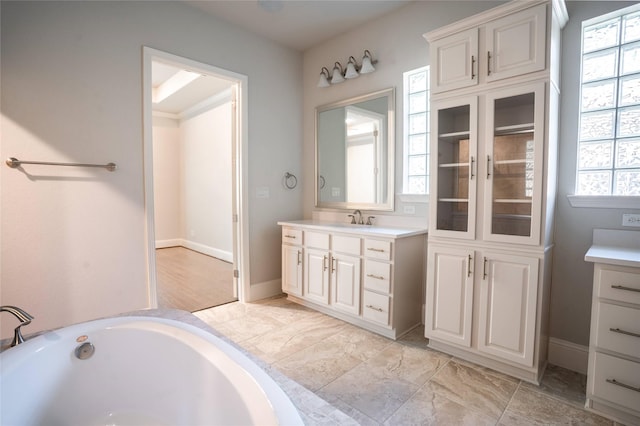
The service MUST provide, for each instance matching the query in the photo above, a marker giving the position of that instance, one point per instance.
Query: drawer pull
(290, 236)
(621, 287)
(628, 333)
(377, 277)
(623, 385)
(375, 249)
(375, 308)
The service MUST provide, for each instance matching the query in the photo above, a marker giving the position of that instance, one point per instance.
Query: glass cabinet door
(454, 168)
(514, 156)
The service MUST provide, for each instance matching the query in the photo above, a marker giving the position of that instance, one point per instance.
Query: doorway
(195, 136)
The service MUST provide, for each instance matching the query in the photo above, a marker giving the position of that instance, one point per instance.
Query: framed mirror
(355, 152)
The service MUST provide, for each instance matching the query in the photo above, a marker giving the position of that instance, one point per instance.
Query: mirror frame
(388, 205)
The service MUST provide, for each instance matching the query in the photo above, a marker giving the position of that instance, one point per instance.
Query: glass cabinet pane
(453, 167)
(510, 165)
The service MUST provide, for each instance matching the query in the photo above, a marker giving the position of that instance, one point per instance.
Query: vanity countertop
(615, 247)
(361, 230)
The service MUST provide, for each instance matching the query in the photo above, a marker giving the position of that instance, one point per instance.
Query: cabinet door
(316, 276)
(507, 314)
(455, 58)
(449, 295)
(345, 283)
(513, 166)
(516, 44)
(292, 270)
(454, 167)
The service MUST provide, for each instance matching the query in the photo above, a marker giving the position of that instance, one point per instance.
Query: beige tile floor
(380, 381)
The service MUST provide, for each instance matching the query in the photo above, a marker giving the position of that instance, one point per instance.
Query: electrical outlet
(409, 209)
(631, 220)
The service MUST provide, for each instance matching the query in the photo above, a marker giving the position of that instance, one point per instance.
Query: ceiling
(197, 91)
(298, 24)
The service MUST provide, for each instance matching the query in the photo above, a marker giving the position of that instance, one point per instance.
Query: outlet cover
(409, 209)
(631, 220)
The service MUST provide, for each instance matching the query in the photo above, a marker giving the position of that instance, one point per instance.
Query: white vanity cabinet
(503, 44)
(292, 261)
(372, 277)
(493, 185)
(613, 376)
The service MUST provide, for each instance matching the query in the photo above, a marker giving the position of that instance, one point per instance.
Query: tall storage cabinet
(493, 179)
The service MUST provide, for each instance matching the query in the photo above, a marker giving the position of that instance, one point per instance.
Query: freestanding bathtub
(136, 371)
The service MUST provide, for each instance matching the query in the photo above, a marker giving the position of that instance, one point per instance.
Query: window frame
(406, 195)
(611, 200)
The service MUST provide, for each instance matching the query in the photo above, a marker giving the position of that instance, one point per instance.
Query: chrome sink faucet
(25, 319)
(359, 221)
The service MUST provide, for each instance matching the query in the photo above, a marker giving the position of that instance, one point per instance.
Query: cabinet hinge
(236, 273)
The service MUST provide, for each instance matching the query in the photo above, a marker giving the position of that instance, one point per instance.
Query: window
(609, 132)
(416, 131)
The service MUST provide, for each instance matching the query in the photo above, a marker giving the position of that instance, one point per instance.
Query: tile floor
(380, 381)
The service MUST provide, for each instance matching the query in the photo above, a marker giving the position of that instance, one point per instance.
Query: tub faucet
(359, 221)
(25, 319)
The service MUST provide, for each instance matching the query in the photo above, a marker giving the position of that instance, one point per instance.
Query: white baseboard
(176, 242)
(264, 290)
(568, 355)
(227, 256)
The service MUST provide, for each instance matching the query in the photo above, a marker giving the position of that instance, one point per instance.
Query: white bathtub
(144, 371)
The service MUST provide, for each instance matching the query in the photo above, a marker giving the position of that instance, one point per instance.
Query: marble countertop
(615, 247)
(361, 230)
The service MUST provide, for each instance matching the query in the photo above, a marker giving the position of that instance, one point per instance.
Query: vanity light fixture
(338, 74)
(353, 70)
(324, 78)
(367, 63)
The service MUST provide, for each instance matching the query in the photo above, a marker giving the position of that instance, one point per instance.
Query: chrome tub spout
(23, 317)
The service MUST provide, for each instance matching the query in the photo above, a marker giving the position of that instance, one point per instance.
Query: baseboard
(568, 355)
(227, 256)
(264, 290)
(176, 242)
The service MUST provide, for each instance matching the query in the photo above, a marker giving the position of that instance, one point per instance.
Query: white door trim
(241, 176)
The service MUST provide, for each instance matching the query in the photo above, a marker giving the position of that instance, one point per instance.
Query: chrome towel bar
(14, 162)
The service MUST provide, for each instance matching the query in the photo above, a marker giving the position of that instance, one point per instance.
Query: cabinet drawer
(626, 374)
(376, 307)
(377, 249)
(377, 276)
(316, 240)
(292, 236)
(343, 244)
(618, 329)
(618, 285)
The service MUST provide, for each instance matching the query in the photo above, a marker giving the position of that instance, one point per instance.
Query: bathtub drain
(85, 350)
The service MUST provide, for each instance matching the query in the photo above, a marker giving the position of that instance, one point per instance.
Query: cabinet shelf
(453, 165)
(514, 129)
(512, 201)
(454, 135)
(517, 161)
(453, 200)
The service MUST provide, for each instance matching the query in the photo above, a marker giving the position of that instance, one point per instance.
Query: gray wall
(572, 277)
(73, 241)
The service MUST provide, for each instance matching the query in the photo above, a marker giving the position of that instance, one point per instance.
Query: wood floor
(192, 281)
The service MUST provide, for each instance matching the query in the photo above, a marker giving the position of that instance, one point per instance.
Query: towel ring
(290, 180)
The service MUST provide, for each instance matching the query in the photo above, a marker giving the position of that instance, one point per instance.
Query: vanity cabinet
(506, 46)
(613, 376)
(292, 261)
(373, 279)
(493, 185)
